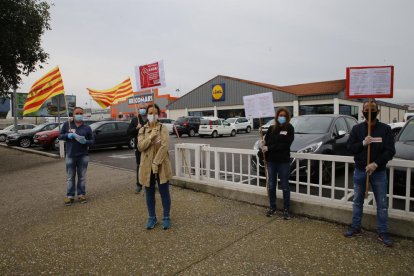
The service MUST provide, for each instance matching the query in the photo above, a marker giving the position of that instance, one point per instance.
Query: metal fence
(326, 178)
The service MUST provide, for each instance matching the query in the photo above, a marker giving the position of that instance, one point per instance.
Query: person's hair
(279, 110)
(77, 107)
(372, 101)
(155, 106)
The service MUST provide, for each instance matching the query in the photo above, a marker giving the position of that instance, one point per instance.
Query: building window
(348, 110)
(205, 113)
(316, 109)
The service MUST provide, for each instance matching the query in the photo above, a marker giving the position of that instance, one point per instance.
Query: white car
(241, 124)
(215, 127)
(169, 123)
(396, 127)
(10, 129)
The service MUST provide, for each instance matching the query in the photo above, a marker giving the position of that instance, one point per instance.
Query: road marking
(123, 156)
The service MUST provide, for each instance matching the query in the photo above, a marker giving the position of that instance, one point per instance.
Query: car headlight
(311, 148)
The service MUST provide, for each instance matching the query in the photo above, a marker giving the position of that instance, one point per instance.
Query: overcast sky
(97, 43)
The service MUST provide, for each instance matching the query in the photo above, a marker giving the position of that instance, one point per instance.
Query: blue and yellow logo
(217, 92)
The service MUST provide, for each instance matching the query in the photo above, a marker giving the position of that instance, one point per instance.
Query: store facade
(222, 97)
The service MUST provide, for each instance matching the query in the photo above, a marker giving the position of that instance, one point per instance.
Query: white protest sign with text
(259, 105)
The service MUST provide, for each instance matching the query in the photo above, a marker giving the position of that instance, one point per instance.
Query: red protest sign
(370, 82)
(150, 75)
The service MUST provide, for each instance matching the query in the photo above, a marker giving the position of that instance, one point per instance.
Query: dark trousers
(164, 190)
(138, 159)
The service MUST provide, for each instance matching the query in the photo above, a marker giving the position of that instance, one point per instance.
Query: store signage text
(218, 92)
(141, 99)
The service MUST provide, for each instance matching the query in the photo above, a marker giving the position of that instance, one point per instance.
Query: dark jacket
(278, 143)
(381, 152)
(72, 146)
(132, 130)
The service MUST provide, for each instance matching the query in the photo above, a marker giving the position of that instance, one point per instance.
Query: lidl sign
(218, 92)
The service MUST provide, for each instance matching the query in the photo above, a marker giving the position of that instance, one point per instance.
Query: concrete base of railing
(300, 205)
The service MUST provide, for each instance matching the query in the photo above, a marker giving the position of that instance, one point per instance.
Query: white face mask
(152, 118)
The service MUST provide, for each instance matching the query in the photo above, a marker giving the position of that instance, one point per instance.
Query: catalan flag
(111, 96)
(45, 88)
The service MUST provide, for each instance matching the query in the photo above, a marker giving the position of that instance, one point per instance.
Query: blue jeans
(283, 170)
(379, 184)
(76, 165)
(165, 197)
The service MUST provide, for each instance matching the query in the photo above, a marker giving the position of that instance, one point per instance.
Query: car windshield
(231, 120)
(95, 125)
(311, 124)
(271, 122)
(408, 132)
(181, 119)
(57, 128)
(39, 127)
(9, 128)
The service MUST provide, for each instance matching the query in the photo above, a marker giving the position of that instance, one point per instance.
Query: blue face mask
(281, 120)
(142, 111)
(78, 118)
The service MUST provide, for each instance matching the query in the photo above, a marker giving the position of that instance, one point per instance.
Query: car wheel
(233, 133)
(248, 129)
(25, 142)
(191, 133)
(214, 134)
(2, 138)
(131, 143)
(55, 144)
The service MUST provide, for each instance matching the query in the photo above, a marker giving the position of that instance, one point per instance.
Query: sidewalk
(209, 235)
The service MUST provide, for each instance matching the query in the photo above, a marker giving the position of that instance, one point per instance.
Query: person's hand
(367, 141)
(154, 168)
(154, 134)
(371, 168)
(71, 135)
(262, 143)
(264, 149)
(139, 126)
(82, 140)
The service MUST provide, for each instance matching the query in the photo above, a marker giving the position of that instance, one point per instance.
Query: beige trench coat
(156, 153)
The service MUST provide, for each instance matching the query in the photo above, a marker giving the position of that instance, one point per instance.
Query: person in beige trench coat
(155, 166)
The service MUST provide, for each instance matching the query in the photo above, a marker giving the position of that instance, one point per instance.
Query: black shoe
(286, 214)
(385, 240)
(352, 232)
(138, 189)
(270, 212)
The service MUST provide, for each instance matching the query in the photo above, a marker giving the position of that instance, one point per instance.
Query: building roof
(304, 89)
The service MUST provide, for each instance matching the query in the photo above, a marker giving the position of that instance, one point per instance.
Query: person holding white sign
(276, 149)
(382, 150)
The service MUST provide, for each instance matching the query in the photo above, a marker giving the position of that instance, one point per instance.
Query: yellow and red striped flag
(111, 96)
(48, 86)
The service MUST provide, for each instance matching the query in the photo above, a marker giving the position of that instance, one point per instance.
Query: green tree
(22, 23)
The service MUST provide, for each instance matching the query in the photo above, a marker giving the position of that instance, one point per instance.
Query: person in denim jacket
(78, 137)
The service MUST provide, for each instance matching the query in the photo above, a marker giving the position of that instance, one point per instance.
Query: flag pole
(369, 148)
(264, 158)
(67, 110)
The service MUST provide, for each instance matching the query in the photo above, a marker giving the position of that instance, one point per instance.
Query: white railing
(329, 178)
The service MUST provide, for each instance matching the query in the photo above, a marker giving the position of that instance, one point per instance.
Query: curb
(32, 151)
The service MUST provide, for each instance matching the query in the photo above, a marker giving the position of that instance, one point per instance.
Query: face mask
(152, 118)
(281, 120)
(78, 118)
(142, 111)
(373, 115)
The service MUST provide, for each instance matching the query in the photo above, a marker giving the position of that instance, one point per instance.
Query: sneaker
(166, 223)
(385, 240)
(152, 221)
(82, 199)
(286, 214)
(138, 189)
(270, 212)
(351, 232)
(68, 201)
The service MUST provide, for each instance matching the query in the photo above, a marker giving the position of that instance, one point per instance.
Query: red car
(49, 139)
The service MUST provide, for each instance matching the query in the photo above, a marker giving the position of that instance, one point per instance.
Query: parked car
(24, 138)
(215, 127)
(408, 116)
(322, 134)
(187, 125)
(49, 139)
(169, 123)
(263, 129)
(111, 134)
(241, 124)
(404, 149)
(396, 127)
(10, 129)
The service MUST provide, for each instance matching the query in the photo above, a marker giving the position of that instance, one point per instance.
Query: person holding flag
(155, 165)
(78, 137)
(382, 150)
